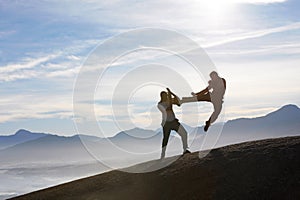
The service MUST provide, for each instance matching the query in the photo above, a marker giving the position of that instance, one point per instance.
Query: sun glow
(214, 10)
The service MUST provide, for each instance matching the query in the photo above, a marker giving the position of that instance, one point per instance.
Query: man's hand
(169, 90)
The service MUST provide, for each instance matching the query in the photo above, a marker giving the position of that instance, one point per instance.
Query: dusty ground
(267, 169)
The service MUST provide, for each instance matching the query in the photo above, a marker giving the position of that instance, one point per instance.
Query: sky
(254, 45)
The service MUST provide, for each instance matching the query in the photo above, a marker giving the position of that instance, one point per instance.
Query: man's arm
(169, 91)
(169, 96)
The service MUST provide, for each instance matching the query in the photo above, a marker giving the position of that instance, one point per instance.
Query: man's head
(213, 75)
(163, 96)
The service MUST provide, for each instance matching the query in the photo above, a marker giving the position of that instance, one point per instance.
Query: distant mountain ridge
(25, 146)
(19, 137)
(283, 122)
(288, 114)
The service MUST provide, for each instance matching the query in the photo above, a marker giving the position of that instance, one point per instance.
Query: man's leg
(183, 134)
(217, 110)
(166, 132)
(203, 97)
(188, 99)
(214, 116)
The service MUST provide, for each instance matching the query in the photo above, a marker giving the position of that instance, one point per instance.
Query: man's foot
(177, 101)
(186, 152)
(207, 124)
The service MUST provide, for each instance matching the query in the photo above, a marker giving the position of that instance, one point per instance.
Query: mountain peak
(289, 107)
(136, 133)
(26, 133)
(22, 132)
(287, 110)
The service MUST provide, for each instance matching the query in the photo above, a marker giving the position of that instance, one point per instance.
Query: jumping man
(218, 87)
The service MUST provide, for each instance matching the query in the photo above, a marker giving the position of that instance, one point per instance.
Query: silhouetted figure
(170, 122)
(218, 87)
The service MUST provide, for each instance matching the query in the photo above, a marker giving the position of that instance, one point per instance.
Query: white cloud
(64, 73)
(258, 1)
(26, 69)
(26, 64)
(249, 1)
(259, 50)
(63, 63)
(254, 34)
(35, 106)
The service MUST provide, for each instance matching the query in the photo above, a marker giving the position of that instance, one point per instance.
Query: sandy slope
(267, 169)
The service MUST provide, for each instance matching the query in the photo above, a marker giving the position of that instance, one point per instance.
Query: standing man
(218, 87)
(169, 121)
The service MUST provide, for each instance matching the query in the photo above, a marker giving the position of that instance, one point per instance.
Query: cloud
(254, 1)
(35, 106)
(62, 63)
(260, 50)
(64, 73)
(26, 64)
(26, 69)
(254, 34)
(256, 110)
(259, 1)
(179, 15)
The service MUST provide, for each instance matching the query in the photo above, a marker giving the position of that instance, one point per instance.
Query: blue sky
(253, 43)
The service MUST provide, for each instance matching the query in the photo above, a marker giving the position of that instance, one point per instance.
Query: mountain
(54, 149)
(19, 137)
(282, 122)
(135, 133)
(47, 149)
(137, 143)
(266, 169)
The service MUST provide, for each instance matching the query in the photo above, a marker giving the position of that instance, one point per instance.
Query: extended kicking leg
(188, 99)
(196, 98)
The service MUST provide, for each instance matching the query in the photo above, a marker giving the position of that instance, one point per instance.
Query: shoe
(186, 152)
(207, 124)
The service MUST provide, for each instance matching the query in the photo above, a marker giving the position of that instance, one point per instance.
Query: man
(169, 121)
(218, 87)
